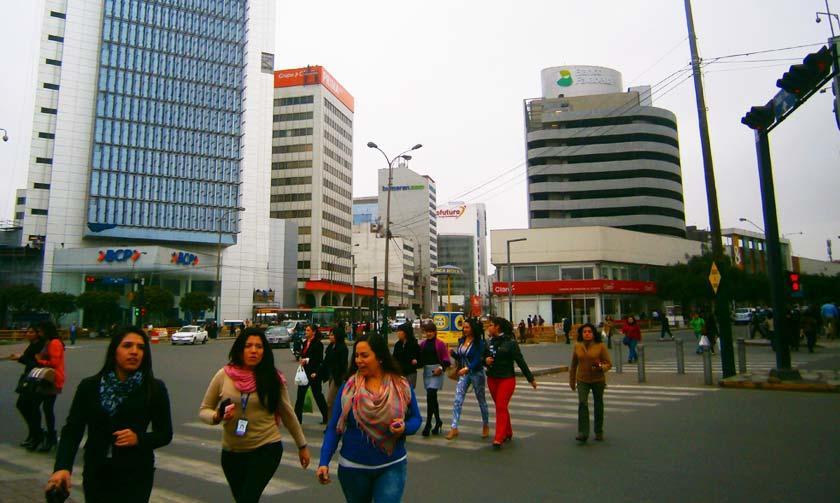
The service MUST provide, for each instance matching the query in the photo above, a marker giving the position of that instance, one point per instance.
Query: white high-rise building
(151, 149)
(312, 177)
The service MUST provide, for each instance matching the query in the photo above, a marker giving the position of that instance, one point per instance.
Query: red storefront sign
(576, 286)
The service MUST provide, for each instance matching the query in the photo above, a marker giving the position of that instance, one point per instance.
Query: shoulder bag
(39, 380)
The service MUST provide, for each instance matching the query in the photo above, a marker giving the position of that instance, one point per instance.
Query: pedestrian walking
(830, 315)
(711, 330)
(73, 334)
(609, 327)
(665, 327)
(809, 325)
(407, 353)
(311, 356)
(698, 326)
(500, 352)
(470, 373)
(29, 400)
(51, 357)
(588, 372)
(434, 359)
(632, 337)
(333, 369)
(521, 330)
(530, 325)
(540, 320)
(249, 395)
(115, 407)
(567, 327)
(377, 410)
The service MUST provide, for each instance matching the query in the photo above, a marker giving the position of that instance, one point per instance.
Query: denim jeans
(381, 485)
(583, 406)
(631, 343)
(477, 379)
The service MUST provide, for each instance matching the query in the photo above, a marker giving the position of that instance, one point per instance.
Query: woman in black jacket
(116, 407)
(500, 352)
(407, 352)
(311, 356)
(334, 367)
(28, 403)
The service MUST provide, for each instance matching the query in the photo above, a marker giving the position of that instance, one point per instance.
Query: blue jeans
(381, 485)
(478, 380)
(631, 343)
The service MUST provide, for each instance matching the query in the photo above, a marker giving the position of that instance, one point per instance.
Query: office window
(46, 110)
(21, 200)
(44, 186)
(48, 136)
(59, 15)
(53, 62)
(47, 85)
(55, 38)
(19, 215)
(294, 100)
(36, 211)
(43, 160)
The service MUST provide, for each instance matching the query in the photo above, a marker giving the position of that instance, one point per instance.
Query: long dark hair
(48, 331)
(503, 324)
(477, 328)
(145, 364)
(596, 334)
(408, 329)
(380, 349)
(268, 384)
(339, 333)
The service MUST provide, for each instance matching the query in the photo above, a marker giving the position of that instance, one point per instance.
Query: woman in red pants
(499, 354)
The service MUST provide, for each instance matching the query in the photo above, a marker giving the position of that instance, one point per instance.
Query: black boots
(49, 442)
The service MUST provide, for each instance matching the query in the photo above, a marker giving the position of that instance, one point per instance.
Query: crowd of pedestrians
(369, 409)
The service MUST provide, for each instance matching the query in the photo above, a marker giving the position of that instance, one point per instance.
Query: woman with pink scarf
(249, 395)
(373, 413)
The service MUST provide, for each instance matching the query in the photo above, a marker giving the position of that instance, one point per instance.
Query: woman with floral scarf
(116, 407)
(374, 412)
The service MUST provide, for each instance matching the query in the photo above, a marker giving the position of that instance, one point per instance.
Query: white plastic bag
(704, 342)
(300, 376)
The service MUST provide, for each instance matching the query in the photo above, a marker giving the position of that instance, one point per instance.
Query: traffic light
(142, 311)
(136, 311)
(805, 77)
(761, 117)
(794, 285)
(90, 279)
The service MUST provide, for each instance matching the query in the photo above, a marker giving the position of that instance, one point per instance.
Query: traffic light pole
(774, 258)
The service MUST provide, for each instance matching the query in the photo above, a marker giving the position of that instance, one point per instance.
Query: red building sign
(576, 286)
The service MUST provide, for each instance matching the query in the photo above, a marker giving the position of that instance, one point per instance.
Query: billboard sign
(575, 286)
(579, 80)
(312, 75)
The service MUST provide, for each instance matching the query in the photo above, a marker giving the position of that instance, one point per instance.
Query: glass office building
(166, 149)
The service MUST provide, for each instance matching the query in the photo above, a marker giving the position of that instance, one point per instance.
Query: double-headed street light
(742, 219)
(219, 262)
(390, 162)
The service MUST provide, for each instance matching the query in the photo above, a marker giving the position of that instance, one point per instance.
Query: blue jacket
(474, 354)
(355, 446)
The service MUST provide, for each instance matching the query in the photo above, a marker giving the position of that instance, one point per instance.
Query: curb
(781, 386)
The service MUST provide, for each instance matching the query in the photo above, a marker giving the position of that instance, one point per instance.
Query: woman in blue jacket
(374, 412)
(468, 355)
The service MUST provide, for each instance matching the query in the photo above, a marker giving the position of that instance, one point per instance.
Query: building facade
(152, 127)
(462, 242)
(369, 256)
(312, 173)
(582, 273)
(598, 156)
(414, 215)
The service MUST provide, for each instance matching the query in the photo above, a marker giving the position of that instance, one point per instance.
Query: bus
(324, 317)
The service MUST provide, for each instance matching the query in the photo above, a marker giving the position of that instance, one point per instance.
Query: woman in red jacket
(52, 356)
(632, 337)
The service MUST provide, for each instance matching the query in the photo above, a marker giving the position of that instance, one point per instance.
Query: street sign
(714, 277)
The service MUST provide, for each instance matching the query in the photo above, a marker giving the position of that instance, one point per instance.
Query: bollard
(742, 356)
(618, 358)
(680, 345)
(640, 349)
(707, 365)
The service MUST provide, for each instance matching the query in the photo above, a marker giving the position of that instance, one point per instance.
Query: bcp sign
(184, 258)
(123, 255)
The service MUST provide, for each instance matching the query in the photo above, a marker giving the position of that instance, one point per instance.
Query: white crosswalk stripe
(552, 407)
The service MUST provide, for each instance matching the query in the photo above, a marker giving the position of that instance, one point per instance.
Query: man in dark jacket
(567, 327)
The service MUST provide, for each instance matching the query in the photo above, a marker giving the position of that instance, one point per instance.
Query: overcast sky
(452, 75)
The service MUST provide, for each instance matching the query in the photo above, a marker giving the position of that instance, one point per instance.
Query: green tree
(23, 298)
(195, 302)
(157, 302)
(57, 304)
(100, 308)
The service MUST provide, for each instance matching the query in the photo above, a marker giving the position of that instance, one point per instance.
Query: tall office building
(151, 134)
(462, 242)
(312, 175)
(414, 215)
(598, 156)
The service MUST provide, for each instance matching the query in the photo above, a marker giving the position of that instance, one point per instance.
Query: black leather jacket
(505, 351)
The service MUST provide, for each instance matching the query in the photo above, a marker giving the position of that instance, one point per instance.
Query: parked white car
(189, 334)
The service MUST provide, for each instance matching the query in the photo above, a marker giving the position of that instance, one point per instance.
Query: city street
(665, 440)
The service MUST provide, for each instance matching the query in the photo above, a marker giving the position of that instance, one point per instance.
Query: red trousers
(501, 389)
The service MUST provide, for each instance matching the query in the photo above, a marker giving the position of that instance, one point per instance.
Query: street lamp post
(510, 278)
(219, 262)
(390, 162)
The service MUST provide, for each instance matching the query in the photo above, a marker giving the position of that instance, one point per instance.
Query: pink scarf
(245, 381)
(374, 412)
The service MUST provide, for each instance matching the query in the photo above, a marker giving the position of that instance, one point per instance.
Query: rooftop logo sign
(183, 258)
(565, 78)
(396, 188)
(456, 212)
(123, 255)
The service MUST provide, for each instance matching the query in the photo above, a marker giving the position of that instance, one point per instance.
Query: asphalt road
(663, 442)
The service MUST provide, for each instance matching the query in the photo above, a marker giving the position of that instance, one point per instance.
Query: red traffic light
(793, 280)
(761, 117)
(90, 279)
(802, 78)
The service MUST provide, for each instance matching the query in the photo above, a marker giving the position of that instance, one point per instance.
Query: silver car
(283, 334)
(189, 334)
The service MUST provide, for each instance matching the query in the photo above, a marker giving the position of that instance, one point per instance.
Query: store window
(524, 273)
(548, 273)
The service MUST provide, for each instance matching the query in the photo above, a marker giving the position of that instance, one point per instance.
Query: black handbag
(39, 380)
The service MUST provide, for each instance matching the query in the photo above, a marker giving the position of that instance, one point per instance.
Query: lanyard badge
(242, 424)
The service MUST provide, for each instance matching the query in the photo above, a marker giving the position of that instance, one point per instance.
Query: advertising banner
(575, 286)
(311, 75)
(449, 325)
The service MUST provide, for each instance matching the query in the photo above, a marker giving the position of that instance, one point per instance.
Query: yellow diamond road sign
(714, 277)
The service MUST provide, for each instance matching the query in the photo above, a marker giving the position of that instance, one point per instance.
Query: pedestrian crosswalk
(694, 364)
(192, 460)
